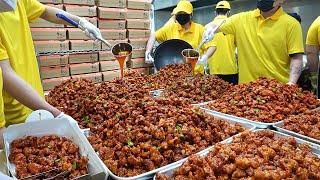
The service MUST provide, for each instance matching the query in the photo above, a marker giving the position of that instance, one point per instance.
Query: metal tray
(279, 127)
(315, 150)
(150, 174)
(60, 127)
(260, 125)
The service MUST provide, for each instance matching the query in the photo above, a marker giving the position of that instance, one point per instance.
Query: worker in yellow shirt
(313, 49)
(269, 42)
(22, 85)
(222, 62)
(183, 28)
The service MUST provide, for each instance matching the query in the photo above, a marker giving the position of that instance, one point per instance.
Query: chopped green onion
(130, 143)
(74, 165)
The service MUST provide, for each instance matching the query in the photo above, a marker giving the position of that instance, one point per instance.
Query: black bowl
(169, 52)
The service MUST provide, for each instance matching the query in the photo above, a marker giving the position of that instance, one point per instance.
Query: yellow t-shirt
(175, 31)
(17, 46)
(2, 120)
(313, 36)
(264, 45)
(223, 61)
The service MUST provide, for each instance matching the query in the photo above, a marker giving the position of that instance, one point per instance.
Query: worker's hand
(208, 34)
(148, 58)
(39, 115)
(203, 60)
(89, 29)
(69, 118)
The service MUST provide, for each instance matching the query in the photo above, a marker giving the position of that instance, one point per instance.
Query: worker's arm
(160, 36)
(148, 58)
(213, 28)
(151, 41)
(228, 26)
(211, 51)
(295, 68)
(201, 66)
(89, 29)
(50, 15)
(1, 137)
(22, 91)
(313, 57)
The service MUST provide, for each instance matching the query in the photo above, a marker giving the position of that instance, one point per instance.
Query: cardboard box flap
(112, 3)
(112, 13)
(83, 58)
(112, 24)
(139, 4)
(80, 2)
(53, 60)
(95, 77)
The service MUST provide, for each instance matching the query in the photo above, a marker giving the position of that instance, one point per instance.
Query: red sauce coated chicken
(259, 155)
(34, 155)
(148, 134)
(198, 89)
(265, 100)
(307, 124)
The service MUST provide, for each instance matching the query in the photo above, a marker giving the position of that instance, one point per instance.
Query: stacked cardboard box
(138, 25)
(118, 20)
(45, 33)
(49, 84)
(84, 65)
(50, 37)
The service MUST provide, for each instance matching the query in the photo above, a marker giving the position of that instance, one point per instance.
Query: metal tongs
(49, 175)
(55, 174)
(75, 24)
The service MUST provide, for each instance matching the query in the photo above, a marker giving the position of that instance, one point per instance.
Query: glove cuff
(205, 57)
(60, 115)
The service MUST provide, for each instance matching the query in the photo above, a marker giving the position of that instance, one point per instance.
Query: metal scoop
(190, 56)
(121, 52)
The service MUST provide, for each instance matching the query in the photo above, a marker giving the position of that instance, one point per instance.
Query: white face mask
(7, 5)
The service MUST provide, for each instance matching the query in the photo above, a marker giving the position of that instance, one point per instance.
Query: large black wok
(169, 52)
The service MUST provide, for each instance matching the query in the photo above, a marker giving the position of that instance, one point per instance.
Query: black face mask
(183, 18)
(265, 5)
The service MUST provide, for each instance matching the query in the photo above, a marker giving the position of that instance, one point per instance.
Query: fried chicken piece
(34, 168)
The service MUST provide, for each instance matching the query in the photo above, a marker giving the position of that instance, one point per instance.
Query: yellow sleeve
(162, 33)
(2, 119)
(3, 56)
(230, 26)
(3, 51)
(313, 35)
(295, 39)
(34, 9)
